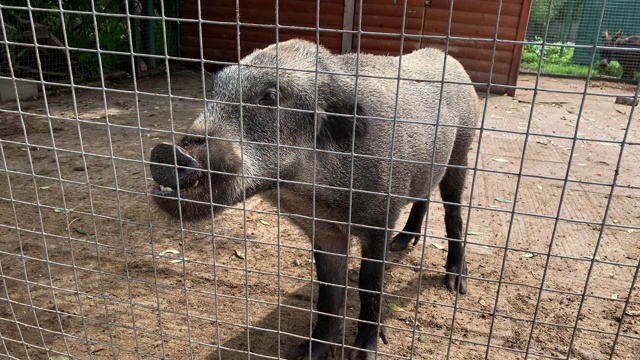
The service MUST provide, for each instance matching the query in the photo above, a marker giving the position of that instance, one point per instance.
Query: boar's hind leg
(371, 280)
(627, 73)
(413, 227)
(451, 188)
(331, 267)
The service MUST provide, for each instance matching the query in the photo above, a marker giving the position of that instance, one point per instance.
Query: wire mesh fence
(92, 267)
(57, 40)
(572, 27)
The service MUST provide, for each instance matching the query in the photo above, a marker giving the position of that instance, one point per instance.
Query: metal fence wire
(98, 260)
(580, 22)
(72, 35)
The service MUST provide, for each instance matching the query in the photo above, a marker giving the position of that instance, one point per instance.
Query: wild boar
(343, 153)
(628, 60)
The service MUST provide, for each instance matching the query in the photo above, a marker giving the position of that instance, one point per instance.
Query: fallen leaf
(437, 246)
(71, 222)
(502, 200)
(501, 160)
(474, 233)
(633, 312)
(528, 255)
(615, 296)
(483, 303)
(395, 307)
(58, 358)
(240, 254)
(630, 231)
(175, 261)
(45, 187)
(539, 187)
(168, 251)
(264, 222)
(82, 231)
(296, 262)
(60, 210)
(599, 173)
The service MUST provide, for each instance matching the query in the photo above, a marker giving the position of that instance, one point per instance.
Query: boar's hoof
(456, 278)
(369, 343)
(401, 241)
(320, 351)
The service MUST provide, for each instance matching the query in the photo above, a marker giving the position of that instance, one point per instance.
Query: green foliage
(85, 34)
(555, 19)
(112, 35)
(561, 10)
(14, 52)
(557, 59)
(79, 30)
(553, 54)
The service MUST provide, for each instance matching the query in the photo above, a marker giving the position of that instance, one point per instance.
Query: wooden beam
(517, 50)
(347, 24)
(36, 71)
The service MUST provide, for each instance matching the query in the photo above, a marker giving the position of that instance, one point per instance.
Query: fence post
(148, 40)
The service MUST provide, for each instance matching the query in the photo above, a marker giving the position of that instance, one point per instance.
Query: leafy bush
(79, 30)
(553, 54)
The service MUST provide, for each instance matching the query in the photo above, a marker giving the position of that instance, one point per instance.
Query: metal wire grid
(145, 31)
(95, 216)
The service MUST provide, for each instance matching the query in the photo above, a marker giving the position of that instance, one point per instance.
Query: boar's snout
(164, 158)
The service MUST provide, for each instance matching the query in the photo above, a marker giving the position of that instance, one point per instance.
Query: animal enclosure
(90, 268)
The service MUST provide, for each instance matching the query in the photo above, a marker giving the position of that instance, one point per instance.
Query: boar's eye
(270, 98)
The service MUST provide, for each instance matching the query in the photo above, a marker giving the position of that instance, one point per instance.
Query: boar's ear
(617, 35)
(335, 123)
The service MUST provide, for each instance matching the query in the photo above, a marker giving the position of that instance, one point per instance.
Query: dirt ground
(80, 240)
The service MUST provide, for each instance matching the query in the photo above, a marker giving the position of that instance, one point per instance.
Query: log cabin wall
(469, 19)
(219, 39)
(474, 20)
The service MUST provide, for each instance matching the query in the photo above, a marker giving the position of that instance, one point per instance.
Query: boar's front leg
(331, 267)
(373, 248)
